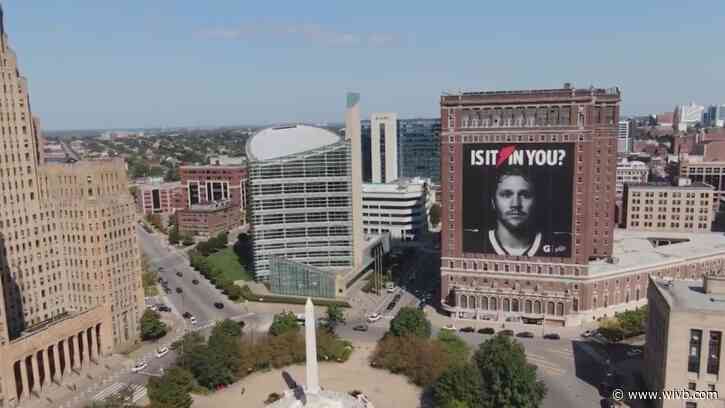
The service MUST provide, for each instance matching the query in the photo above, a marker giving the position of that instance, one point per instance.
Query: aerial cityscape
(412, 244)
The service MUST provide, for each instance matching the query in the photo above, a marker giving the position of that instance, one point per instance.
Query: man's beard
(519, 229)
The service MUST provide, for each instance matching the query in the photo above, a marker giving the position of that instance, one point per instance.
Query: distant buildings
(624, 137)
(685, 338)
(227, 161)
(630, 172)
(214, 198)
(300, 198)
(665, 119)
(384, 147)
(686, 116)
(712, 173)
(715, 116)
(664, 207)
(397, 208)
(159, 197)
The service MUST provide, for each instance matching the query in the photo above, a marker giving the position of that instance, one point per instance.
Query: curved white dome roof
(282, 141)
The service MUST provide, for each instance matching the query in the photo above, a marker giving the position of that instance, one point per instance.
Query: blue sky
(146, 63)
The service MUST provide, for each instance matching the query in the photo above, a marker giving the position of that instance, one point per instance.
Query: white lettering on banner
(525, 157)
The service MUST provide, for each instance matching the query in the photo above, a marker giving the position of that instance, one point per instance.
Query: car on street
(179, 290)
(468, 329)
(486, 330)
(374, 317)
(152, 308)
(449, 327)
(634, 352)
(587, 333)
(525, 334)
(140, 366)
(361, 327)
(392, 289)
(179, 274)
(192, 319)
(195, 281)
(167, 290)
(160, 280)
(162, 351)
(552, 336)
(392, 305)
(187, 315)
(397, 297)
(163, 308)
(219, 305)
(507, 332)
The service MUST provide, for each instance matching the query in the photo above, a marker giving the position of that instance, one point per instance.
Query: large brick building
(159, 197)
(214, 198)
(664, 207)
(70, 270)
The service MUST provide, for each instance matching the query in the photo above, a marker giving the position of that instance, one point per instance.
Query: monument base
(323, 399)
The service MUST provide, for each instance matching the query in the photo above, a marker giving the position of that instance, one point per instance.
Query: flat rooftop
(277, 142)
(689, 295)
(668, 186)
(639, 250)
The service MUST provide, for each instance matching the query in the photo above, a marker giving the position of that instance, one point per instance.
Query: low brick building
(208, 220)
(664, 207)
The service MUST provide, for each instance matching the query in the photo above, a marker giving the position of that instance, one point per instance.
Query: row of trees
(497, 375)
(213, 244)
(215, 276)
(152, 328)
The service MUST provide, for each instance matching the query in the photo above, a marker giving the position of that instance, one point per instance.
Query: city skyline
(229, 64)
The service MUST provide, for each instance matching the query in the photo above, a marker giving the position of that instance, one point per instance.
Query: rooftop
(668, 186)
(689, 295)
(639, 250)
(403, 184)
(277, 142)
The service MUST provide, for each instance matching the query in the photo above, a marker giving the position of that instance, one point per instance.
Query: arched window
(537, 307)
(550, 308)
(560, 309)
(506, 305)
(464, 301)
(575, 305)
(515, 305)
(473, 302)
(594, 303)
(626, 296)
(636, 294)
(484, 303)
(528, 306)
(493, 304)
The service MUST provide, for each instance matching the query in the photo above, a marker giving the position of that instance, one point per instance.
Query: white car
(449, 327)
(374, 317)
(140, 366)
(162, 351)
(192, 320)
(392, 289)
(587, 333)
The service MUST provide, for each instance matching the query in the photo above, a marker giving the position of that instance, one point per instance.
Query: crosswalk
(139, 391)
(547, 365)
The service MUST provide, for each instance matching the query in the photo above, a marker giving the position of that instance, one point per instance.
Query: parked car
(163, 308)
(195, 281)
(392, 289)
(219, 305)
(507, 332)
(140, 366)
(552, 336)
(361, 327)
(179, 274)
(449, 327)
(162, 351)
(374, 317)
(468, 329)
(587, 333)
(487, 330)
(392, 305)
(192, 319)
(525, 334)
(153, 308)
(160, 279)
(634, 352)
(167, 290)
(397, 297)
(179, 290)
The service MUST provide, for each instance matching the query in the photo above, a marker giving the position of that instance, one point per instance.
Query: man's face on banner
(514, 202)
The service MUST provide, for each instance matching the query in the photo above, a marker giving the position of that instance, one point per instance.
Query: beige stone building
(684, 340)
(664, 207)
(70, 272)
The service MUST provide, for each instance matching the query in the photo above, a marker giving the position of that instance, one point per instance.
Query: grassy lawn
(226, 261)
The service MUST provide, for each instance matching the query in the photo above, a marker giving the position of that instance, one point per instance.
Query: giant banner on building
(517, 198)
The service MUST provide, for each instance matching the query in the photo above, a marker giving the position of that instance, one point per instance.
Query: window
(693, 365)
(713, 355)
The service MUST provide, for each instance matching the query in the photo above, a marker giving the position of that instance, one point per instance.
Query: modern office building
(624, 137)
(294, 278)
(686, 116)
(630, 172)
(684, 340)
(397, 208)
(419, 148)
(715, 116)
(300, 188)
(665, 207)
(214, 198)
(70, 270)
(384, 147)
(159, 197)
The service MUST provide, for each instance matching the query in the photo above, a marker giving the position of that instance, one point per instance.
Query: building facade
(70, 270)
(300, 198)
(566, 141)
(708, 172)
(664, 207)
(686, 116)
(630, 172)
(624, 137)
(159, 198)
(419, 148)
(715, 116)
(384, 147)
(214, 198)
(398, 208)
(685, 339)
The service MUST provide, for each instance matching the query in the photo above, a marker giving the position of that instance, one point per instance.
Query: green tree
(186, 348)
(227, 327)
(209, 368)
(174, 236)
(410, 322)
(187, 240)
(459, 383)
(226, 346)
(335, 316)
(284, 323)
(507, 379)
(152, 327)
(172, 389)
(435, 214)
(456, 348)
(149, 279)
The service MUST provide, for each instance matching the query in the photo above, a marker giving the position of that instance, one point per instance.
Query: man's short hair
(520, 171)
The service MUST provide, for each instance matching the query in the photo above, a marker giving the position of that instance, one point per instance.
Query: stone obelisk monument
(313, 374)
